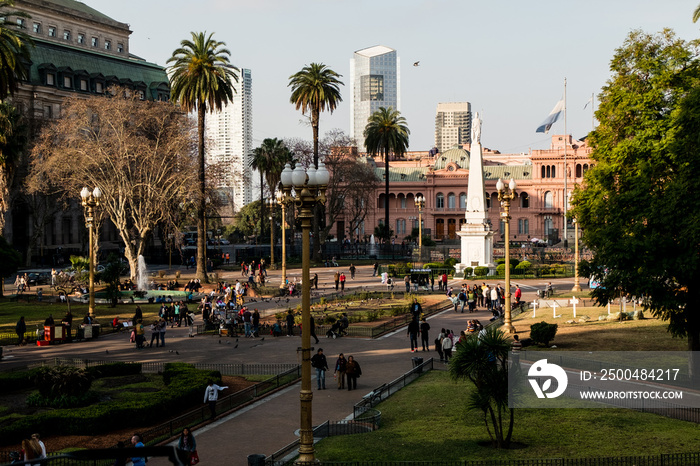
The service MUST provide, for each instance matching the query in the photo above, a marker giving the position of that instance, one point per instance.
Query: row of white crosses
(573, 301)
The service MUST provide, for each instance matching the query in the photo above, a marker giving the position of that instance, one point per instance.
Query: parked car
(39, 278)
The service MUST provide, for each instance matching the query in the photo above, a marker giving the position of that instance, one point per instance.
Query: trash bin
(256, 460)
(417, 362)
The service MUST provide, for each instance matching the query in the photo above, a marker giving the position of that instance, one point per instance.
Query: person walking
(20, 330)
(352, 271)
(290, 323)
(312, 328)
(412, 333)
(318, 361)
(211, 396)
(352, 372)
(336, 279)
(342, 281)
(188, 444)
(407, 282)
(155, 333)
(339, 373)
(424, 328)
(447, 346)
(375, 269)
(137, 442)
(438, 344)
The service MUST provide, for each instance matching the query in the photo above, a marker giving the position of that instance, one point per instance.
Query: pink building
(442, 179)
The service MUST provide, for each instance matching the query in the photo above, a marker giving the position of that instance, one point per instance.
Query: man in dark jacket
(318, 361)
(20, 329)
(412, 333)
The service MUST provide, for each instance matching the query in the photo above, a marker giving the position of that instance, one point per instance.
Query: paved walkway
(270, 424)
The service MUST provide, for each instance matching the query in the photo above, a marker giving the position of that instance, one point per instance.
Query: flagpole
(566, 176)
(592, 111)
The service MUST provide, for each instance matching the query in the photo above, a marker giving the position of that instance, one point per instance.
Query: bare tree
(140, 155)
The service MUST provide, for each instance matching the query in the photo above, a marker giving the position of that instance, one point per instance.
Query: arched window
(462, 201)
(585, 168)
(451, 201)
(524, 200)
(549, 171)
(451, 228)
(400, 226)
(487, 199)
(402, 201)
(554, 171)
(548, 200)
(440, 201)
(543, 172)
(578, 170)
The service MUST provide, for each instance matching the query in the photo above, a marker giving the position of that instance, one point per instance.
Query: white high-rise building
(453, 121)
(375, 82)
(229, 136)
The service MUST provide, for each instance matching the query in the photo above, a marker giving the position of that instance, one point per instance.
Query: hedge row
(185, 387)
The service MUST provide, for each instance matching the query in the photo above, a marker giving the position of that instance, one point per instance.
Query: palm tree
(315, 88)
(14, 50)
(201, 79)
(269, 160)
(13, 141)
(386, 132)
(483, 360)
(696, 14)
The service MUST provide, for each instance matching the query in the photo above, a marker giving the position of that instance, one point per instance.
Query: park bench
(375, 396)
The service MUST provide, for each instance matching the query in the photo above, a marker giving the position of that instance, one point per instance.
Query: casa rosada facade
(442, 179)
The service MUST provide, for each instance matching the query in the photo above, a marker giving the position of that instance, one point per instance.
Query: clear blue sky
(508, 58)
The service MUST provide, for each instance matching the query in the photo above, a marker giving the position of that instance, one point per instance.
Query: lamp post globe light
(90, 201)
(506, 194)
(420, 204)
(309, 190)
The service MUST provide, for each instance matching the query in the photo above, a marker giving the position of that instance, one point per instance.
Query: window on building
(524, 200)
(554, 171)
(66, 35)
(67, 82)
(548, 225)
(549, 172)
(543, 172)
(95, 42)
(578, 170)
(20, 23)
(81, 38)
(585, 168)
(487, 199)
(371, 87)
(402, 201)
(548, 200)
(47, 111)
(120, 48)
(50, 79)
(523, 226)
(463, 201)
(108, 45)
(52, 31)
(142, 95)
(451, 201)
(502, 227)
(36, 28)
(440, 201)
(99, 88)
(83, 85)
(400, 226)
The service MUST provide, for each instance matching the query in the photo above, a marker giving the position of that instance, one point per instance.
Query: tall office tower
(453, 121)
(375, 78)
(229, 135)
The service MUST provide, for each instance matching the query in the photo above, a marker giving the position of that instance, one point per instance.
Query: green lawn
(428, 420)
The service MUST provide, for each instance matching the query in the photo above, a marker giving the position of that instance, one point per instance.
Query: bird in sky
(416, 63)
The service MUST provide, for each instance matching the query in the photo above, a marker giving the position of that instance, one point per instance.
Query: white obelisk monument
(476, 234)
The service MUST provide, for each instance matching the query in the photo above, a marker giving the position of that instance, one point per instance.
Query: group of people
(32, 449)
(344, 369)
(492, 297)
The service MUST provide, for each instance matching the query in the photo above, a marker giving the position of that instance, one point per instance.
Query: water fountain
(142, 274)
(372, 247)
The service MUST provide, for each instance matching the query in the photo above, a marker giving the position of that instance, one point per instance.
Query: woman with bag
(352, 372)
(188, 444)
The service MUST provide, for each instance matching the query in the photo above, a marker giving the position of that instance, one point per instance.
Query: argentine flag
(552, 118)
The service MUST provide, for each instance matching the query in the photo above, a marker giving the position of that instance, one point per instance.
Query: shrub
(468, 272)
(481, 271)
(20, 380)
(114, 369)
(55, 382)
(450, 262)
(543, 333)
(514, 262)
(500, 261)
(501, 269)
(523, 267)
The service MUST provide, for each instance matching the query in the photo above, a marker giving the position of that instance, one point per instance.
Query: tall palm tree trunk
(262, 207)
(201, 273)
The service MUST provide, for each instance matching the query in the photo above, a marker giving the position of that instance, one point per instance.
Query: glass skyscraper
(375, 78)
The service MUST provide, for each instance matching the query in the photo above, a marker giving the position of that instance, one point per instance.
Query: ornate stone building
(538, 212)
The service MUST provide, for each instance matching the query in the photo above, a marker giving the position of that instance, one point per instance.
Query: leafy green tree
(386, 133)
(639, 215)
(14, 50)
(201, 79)
(483, 360)
(314, 89)
(10, 259)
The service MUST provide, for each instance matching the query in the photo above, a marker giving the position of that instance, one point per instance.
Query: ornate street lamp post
(271, 203)
(420, 204)
(91, 200)
(577, 282)
(281, 201)
(505, 195)
(309, 190)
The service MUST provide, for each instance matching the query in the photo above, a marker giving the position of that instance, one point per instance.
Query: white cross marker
(554, 311)
(535, 303)
(608, 307)
(574, 301)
